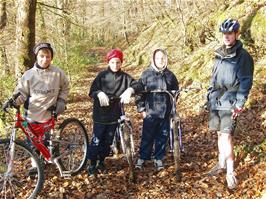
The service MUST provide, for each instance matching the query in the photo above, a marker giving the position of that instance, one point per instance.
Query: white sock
(222, 161)
(230, 166)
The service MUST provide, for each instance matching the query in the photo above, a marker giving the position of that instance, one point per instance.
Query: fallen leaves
(199, 156)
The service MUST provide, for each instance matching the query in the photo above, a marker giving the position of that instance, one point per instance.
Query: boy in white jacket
(42, 86)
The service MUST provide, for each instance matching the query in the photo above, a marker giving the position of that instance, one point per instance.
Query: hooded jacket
(113, 84)
(156, 104)
(231, 79)
(41, 88)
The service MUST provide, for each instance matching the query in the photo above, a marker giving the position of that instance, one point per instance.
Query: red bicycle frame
(36, 138)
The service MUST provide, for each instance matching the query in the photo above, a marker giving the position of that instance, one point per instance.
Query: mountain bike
(175, 136)
(65, 147)
(124, 139)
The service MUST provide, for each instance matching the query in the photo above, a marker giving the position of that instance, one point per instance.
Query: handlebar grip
(51, 108)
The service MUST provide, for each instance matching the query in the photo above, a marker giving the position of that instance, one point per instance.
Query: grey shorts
(221, 120)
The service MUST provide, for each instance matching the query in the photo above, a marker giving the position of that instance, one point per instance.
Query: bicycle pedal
(66, 174)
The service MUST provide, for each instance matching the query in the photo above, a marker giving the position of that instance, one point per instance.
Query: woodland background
(82, 31)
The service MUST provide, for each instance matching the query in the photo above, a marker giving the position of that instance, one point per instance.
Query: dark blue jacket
(156, 104)
(231, 79)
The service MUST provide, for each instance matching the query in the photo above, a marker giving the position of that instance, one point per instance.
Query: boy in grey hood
(155, 108)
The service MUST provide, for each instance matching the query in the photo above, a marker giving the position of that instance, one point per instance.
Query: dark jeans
(102, 139)
(155, 132)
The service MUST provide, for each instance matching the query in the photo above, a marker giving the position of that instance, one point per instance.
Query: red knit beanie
(115, 53)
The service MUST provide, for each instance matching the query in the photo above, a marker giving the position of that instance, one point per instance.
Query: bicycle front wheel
(128, 149)
(72, 146)
(176, 150)
(18, 182)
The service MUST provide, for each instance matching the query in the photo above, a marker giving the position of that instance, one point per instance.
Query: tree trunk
(3, 56)
(43, 36)
(25, 35)
(124, 21)
(3, 15)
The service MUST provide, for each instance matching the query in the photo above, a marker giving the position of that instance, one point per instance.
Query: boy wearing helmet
(230, 84)
(155, 109)
(110, 88)
(42, 86)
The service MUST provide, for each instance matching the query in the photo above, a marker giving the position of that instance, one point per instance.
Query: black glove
(8, 104)
(60, 106)
(5, 106)
(206, 106)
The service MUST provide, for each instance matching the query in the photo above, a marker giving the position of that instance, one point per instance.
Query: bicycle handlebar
(171, 93)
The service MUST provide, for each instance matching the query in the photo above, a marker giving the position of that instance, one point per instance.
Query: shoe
(215, 170)
(32, 172)
(231, 181)
(139, 164)
(101, 166)
(158, 165)
(92, 170)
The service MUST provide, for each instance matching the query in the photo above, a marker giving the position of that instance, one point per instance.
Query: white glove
(103, 98)
(125, 97)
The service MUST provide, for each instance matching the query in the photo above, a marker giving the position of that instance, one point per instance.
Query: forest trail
(199, 156)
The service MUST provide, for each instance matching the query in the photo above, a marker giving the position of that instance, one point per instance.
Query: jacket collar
(109, 70)
(224, 52)
(36, 65)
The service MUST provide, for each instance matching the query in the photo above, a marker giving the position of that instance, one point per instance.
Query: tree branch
(54, 7)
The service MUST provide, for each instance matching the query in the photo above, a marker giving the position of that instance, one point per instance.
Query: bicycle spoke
(16, 183)
(72, 146)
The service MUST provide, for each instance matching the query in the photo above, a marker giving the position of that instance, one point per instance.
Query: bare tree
(25, 35)
(3, 22)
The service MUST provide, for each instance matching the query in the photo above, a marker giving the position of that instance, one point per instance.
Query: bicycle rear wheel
(176, 150)
(128, 149)
(18, 183)
(73, 145)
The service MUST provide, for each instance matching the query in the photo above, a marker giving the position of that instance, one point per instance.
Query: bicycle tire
(177, 156)
(116, 145)
(128, 149)
(73, 142)
(19, 184)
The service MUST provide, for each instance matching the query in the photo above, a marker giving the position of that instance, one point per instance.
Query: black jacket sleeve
(245, 77)
(95, 87)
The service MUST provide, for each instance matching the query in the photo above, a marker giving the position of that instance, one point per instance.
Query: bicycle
(66, 148)
(124, 138)
(175, 136)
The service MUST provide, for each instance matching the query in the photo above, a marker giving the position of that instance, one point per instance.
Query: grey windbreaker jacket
(231, 79)
(41, 88)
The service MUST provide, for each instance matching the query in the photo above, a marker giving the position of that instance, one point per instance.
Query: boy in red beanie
(110, 88)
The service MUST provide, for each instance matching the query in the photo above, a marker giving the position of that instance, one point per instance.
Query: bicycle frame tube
(37, 142)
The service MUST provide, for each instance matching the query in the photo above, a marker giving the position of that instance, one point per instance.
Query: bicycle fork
(172, 123)
(11, 154)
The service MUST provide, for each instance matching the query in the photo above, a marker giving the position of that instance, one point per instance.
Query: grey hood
(153, 60)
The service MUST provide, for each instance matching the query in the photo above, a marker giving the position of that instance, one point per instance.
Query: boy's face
(160, 60)
(229, 38)
(44, 58)
(115, 64)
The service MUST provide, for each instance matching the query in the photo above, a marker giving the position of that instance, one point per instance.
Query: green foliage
(7, 85)
(257, 29)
